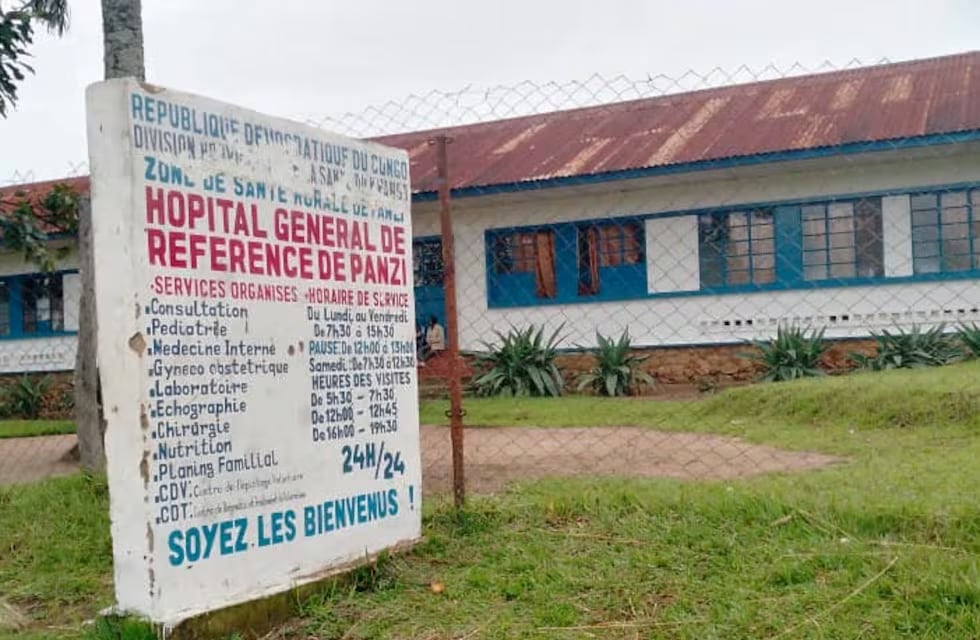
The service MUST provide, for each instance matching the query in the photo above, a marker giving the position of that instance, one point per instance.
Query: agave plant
(617, 370)
(794, 353)
(912, 349)
(969, 335)
(25, 398)
(522, 363)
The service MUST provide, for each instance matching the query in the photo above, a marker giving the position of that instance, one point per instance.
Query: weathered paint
(676, 312)
(885, 103)
(256, 506)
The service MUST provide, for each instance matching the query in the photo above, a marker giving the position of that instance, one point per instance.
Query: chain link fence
(677, 218)
(39, 314)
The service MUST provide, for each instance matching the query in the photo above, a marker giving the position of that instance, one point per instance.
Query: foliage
(617, 370)
(911, 349)
(969, 335)
(522, 364)
(30, 226)
(17, 35)
(603, 553)
(34, 428)
(25, 398)
(794, 353)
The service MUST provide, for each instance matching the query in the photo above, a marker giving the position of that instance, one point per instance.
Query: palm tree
(16, 38)
(122, 34)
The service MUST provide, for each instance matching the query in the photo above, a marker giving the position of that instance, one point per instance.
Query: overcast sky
(313, 58)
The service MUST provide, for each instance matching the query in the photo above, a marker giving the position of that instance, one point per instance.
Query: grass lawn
(884, 546)
(30, 428)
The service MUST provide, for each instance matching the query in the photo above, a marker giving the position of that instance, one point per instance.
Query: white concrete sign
(257, 348)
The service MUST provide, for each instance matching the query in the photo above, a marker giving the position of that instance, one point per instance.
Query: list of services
(270, 357)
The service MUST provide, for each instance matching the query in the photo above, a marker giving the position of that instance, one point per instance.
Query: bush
(969, 336)
(25, 398)
(911, 349)
(617, 371)
(794, 353)
(523, 364)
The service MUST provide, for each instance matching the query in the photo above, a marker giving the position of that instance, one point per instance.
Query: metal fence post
(452, 320)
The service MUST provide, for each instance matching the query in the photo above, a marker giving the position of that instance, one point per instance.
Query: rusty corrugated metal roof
(862, 105)
(889, 102)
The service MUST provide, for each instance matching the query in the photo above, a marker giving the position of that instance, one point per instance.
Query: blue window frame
(611, 260)
(4, 309)
(427, 262)
(843, 240)
(32, 305)
(801, 244)
(737, 248)
(522, 266)
(946, 231)
(566, 263)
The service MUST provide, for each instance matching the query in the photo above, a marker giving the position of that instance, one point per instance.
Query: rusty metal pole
(452, 321)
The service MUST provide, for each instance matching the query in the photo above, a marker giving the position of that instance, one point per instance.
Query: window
(514, 253)
(32, 305)
(737, 248)
(42, 304)
(609, 254)
(530, 254)
(842, 240)
(946, 231)
(427, 262)
(4, 309)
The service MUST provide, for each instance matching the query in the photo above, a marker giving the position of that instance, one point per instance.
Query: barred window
(843, 240)
(737, 248)
(946, 231)
(427, 262)
(42, 304)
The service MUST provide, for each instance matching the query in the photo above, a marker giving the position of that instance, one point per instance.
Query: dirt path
(497, 456)
(30, 459)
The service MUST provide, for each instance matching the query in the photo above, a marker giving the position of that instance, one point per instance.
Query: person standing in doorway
(435, 336)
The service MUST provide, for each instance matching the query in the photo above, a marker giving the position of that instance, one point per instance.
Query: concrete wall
(42, 354)
(672, 261)
(692, 319)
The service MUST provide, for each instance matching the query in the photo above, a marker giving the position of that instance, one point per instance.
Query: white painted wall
(672, 254)
(42, 354)
(672, 264)
(694, 319)
(896, 222)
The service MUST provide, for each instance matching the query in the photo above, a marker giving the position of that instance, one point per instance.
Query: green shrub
(794, 353)
(617, 371)
(969, 335)
(912, 349)
(522, 364)
(25, 398)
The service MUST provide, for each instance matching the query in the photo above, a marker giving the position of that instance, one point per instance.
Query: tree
(122, 34)
(17, 36)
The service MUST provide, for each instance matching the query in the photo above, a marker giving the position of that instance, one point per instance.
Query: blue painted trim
(763, 204)
(789, 250)
(760, 289)
(788, 230)
(972, 219)
(615, 283)
(15, 287)
(707, 165)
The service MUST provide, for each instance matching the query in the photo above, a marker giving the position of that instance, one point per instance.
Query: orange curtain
(632, 251)
(589, 263)
(544, 254)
